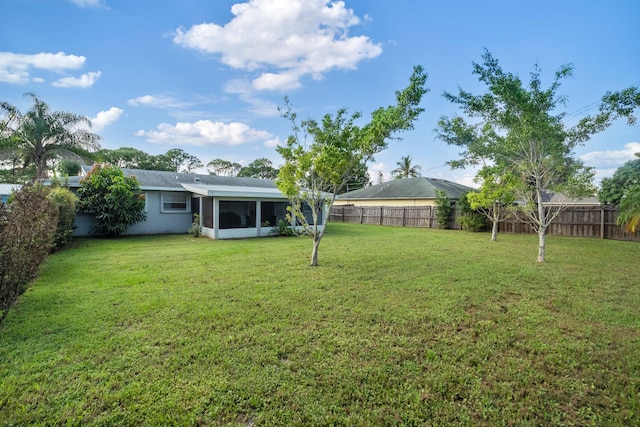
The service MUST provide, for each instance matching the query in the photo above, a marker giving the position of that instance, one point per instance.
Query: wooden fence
(574, 221)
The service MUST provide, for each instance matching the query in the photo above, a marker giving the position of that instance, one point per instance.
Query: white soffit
(234, 191)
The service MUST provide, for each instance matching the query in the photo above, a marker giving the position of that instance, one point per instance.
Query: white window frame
(185, 198)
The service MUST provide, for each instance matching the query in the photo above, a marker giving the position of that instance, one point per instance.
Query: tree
(259, 168)
(222, 167)
(514, 127)
(182, 161)
(629, 215)
(613, 189)
(359, 179)
(497, 191)
(405, 169)
(114, 199)
(42, 135)
(315, 172)
(69, 168)
(470, 219)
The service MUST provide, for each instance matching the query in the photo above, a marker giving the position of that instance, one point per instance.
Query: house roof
(175, 181)
(407, 188)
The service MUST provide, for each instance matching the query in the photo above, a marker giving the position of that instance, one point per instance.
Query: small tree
(114, 199)
(315, 172)
(444, 209)
(259, 168)
(497, 191)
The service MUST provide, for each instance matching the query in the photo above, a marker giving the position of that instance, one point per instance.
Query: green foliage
(114, 199)
(470, 219)
(444, 209)
(629, 215)
(405, 169)
(65, 201)
(27, 232)
(259, 168)
(613, 189)
(283, 228)
(316, 172)
(222, 167)
(196, 229)
(69, 167)
(400, 327)
(515, 128)
(42, 134)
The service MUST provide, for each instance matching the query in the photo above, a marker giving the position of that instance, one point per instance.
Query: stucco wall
(157, 222)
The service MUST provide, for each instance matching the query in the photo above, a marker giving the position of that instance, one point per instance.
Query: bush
(27, 232)
(65, 201)
(196, 228)
(444, 209)
(470, 219)
(114, 199)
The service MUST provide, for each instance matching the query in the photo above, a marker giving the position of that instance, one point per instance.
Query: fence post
(404, 216)
(361, 214)
(602, 232)
(381, 214)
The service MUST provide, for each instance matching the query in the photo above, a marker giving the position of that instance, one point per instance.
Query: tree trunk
(314, 254)
(542, 237)
(494, 230)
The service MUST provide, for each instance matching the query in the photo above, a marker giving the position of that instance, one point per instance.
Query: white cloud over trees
(285, 40)
(204, 133)
(105, 118)
(16, 68)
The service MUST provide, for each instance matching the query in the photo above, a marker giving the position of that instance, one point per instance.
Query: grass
(395, 327)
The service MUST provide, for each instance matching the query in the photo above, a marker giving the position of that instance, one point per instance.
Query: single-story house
(420, 191)
(229, 207)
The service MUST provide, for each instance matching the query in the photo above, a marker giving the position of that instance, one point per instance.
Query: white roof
(234, 191)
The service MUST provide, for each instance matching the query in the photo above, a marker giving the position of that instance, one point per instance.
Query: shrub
(65, 201)
(196, 228)
(470, 219)
(444, 209)
(27, 232)
(114, 199)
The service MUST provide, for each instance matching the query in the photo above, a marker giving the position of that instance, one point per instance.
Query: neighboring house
(229, 207)
(420, 191)
(554, 199)
(6, 190)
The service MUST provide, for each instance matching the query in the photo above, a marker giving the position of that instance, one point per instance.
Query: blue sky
(206, 76)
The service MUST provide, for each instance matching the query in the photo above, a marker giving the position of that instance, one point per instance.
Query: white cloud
(203, 133)
(287, 39)
(157, 101)
(15, 67)
(258, 106)
(90, 3)
(84, 81)
(607, 161)
(105, 118)
(272, 143)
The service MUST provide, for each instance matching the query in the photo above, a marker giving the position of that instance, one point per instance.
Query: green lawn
(395, 327)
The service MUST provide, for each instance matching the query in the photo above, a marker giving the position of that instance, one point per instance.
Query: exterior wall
(385, 202)
(158, 222)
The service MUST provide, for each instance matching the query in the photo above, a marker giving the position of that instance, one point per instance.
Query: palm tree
(42, 134)
(405, 169)
(630, 209)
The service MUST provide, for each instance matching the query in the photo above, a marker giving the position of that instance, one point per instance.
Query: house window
(237, 214)
(175, 202)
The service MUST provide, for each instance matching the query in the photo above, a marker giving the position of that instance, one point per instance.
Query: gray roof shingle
(407, 188)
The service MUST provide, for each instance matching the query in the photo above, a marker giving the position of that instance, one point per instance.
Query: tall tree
(613, 189)
(259, 168)
(315, 172)
(222, 167)
(182, 161)
(405, 169)
(515, 127)
(42, 135)
(359, 179)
